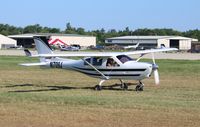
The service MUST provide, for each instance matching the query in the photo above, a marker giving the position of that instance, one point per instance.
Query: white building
(72, 39)
(56, 39)
(6, 42)
(182, 43)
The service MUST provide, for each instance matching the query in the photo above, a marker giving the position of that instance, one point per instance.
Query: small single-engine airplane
(103, 65)
(132, 46)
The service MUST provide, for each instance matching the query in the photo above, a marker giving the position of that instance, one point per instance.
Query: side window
(97, 61)
(111, 63)
(88, 60)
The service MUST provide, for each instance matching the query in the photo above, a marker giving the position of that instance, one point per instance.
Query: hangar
(147, 42)
(26, 40)
(72, 39)
(6, 42)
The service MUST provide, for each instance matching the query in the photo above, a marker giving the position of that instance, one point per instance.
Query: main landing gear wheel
(139, 87)
(124, 86)
(98, 88)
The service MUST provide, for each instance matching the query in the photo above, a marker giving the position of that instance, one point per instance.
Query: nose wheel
(139, 87)
(98, 88)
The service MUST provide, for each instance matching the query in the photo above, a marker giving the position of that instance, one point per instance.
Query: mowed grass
(52, 97)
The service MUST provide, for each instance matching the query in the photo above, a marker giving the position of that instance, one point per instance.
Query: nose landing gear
(139, 87)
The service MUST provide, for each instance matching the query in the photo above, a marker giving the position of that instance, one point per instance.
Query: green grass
(180, 67)
(12, 62)
(43, 90)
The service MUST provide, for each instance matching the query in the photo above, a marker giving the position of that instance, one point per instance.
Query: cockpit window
(94, 61)
(124, 58)
(97, 61)
(88, 60)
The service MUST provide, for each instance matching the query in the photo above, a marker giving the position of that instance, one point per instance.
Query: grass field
(32, 97)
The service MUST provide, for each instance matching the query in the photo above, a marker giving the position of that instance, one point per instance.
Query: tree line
(101, 34)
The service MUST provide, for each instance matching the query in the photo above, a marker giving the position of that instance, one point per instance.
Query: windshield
(124, 58)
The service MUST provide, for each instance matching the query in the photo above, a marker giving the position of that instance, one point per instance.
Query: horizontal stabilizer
(27, 52)
(33, 64)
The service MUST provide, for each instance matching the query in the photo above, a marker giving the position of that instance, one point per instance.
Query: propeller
(156, 77)
(155, 69)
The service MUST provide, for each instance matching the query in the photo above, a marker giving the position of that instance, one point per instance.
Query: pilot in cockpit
(111, 62)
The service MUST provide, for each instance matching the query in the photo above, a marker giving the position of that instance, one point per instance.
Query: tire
(98, 88)
(139, 88)
(125, 86)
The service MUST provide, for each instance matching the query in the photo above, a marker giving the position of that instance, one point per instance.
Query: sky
(180, 15)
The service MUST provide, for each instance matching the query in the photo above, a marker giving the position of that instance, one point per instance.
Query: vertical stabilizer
(41, 47)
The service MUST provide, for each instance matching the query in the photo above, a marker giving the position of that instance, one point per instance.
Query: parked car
(17, 47)
(78, 46)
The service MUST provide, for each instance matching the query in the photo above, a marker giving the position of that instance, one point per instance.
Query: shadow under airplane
(116, 87)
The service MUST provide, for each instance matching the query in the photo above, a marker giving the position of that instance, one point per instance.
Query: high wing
(150, 51)
(105, 54)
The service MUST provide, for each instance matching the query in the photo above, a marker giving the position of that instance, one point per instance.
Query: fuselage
(123, 67)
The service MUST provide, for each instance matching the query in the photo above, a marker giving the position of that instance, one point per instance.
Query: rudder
(41, 47)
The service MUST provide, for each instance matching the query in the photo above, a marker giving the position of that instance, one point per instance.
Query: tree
(33, 29)
(192, 34)
(80, 31)
(54, 30)
(6, 29)
(100, 34)
(69, 29)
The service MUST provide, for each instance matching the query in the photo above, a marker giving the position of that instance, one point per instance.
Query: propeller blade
(155, 71)
(156, 77)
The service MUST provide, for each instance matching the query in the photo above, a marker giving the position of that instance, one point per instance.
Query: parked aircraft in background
(132, 46)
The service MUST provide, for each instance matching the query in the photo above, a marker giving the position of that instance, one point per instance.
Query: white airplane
(132, 46)
(68, 48)
(102, 65)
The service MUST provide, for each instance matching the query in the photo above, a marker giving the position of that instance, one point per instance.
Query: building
(72, 39)
(6, 42)
(195, 47)
(26, 40)
(147, 42)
